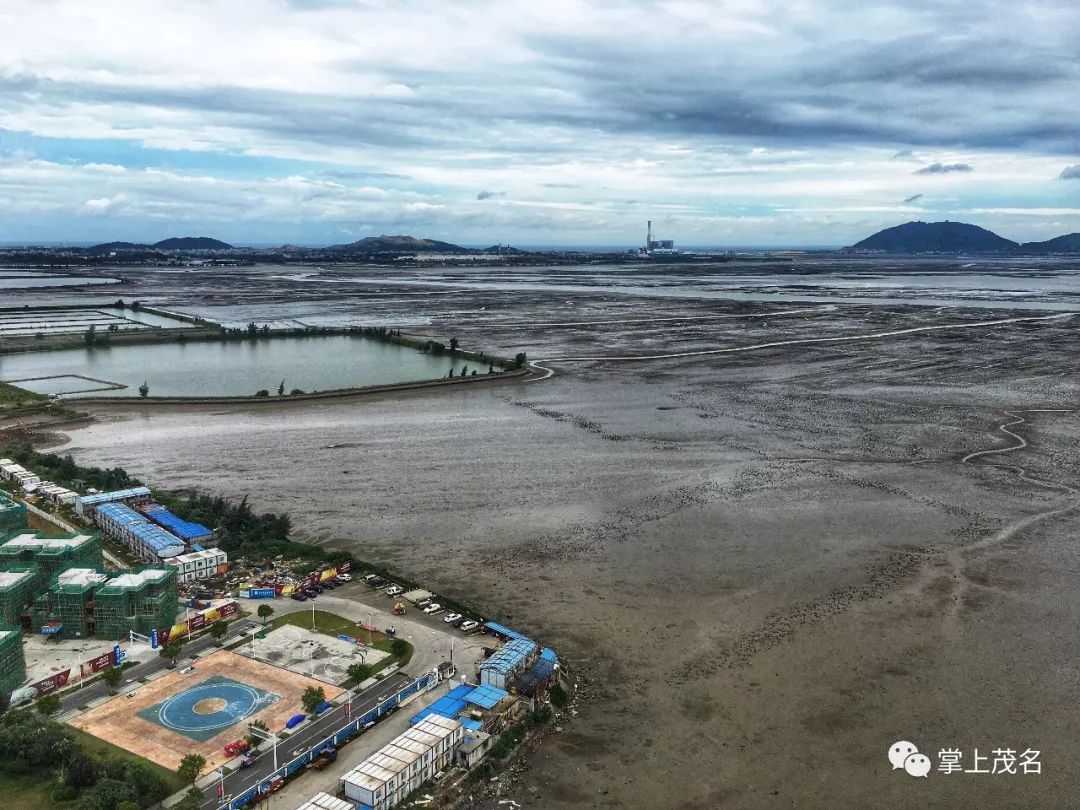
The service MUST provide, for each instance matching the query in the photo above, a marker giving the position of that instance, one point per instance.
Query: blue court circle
(209, 706)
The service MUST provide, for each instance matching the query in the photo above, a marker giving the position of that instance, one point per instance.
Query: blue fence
(335, 740)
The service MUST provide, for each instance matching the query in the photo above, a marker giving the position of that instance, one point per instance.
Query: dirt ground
(118, 723)
(765, 566)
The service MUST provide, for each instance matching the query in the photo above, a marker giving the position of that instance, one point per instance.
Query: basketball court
(200, 711)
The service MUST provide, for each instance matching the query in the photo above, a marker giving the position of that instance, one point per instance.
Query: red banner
(344, 568)
(52, 683)
(228, 609)
(103, 661)
(197, 622)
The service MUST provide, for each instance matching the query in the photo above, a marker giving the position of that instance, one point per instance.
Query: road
(309, 734)
(239, 629)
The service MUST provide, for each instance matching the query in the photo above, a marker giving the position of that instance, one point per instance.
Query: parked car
(345, 577)
(311, 593)
(370, 578)
(378, 582)
(317, 588)
(328, 583)
(452, 617)
(299, 596)
(423, 603)
(433, 608)
(394, 590)
(469, 626)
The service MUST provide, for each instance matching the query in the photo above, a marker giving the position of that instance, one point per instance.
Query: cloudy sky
(731, 122)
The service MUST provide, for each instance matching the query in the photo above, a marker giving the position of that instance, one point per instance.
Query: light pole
(312, 615)
(253, 632)
(266, 736)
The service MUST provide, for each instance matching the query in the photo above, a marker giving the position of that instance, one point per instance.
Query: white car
(469, 626)
(394, 590)
(452, 617)
(433, 608)
(345, 577)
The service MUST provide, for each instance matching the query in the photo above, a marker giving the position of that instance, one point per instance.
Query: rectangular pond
(234, 367)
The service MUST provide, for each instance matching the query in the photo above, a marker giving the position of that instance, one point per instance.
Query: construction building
(141, 600)
(202, 564)
(398, 768)
(12, 662)
(147, 540)
(324, 801)
(66, 609)
(51, 555)
(87, 504)
(12, 517)
(19, 586)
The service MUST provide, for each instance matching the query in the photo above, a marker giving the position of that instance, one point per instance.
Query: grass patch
(28, 792)
(12, 397)
(99, 747)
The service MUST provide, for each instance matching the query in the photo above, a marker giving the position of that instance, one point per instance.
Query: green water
(233, 368)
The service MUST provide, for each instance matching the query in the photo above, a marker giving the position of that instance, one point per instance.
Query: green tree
(252, 739)
(193, 800)
(265, 612)
(463, 370)
(112, 677)
(313, 697)
(218, 629)
(80, 771)
(297, 392)
(144, 389)
(89, 336)
(453, 344)
(281, 389)
(519, 359)
(190, 767)
(399, 647)
(171, 650)
(150, 787)
(127, 806)
(108, 794)
(48, 704)
(358, 672)
(262, 392)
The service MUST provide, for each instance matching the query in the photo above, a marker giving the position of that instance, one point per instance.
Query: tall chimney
(648, 237)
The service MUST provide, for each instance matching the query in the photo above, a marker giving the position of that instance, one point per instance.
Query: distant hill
(192, 243)
(110, 247)
(935, 237)
(397, 244)
(1069, 243)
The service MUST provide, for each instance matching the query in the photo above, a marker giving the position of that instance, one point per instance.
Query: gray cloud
(490, 195)
(1070, 173)
(913, 198)
(944, 168)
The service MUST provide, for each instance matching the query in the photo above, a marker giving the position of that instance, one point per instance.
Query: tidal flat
(764, 564)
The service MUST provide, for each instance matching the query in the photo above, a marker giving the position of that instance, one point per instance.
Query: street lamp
(259, 734)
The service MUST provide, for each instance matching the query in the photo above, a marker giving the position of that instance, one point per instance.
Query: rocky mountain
(935, 237)
(397, 244)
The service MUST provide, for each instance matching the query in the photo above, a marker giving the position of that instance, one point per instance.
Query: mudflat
(765, 566)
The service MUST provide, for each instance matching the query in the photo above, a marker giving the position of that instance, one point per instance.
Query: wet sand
(766, 566)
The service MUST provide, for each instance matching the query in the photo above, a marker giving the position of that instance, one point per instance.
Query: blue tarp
(184, 529)
(295, 720)
(470, 724)
(486, 697)
(548, 654)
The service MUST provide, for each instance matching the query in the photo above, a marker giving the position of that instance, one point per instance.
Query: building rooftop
(510, 655)
(30, 540)
(9, 578)
(115, 495)
(136, 579)
(80, 577)
(163, 543)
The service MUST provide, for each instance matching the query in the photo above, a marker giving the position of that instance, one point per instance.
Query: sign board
(52, 683)
(118, 655)
(103, 661)
(262, 593)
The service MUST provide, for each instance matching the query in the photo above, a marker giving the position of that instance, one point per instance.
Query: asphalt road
(309, 734)
(239, 629)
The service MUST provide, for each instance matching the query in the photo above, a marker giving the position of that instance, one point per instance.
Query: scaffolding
(12, 517)
(19, 584)
(12, 662)
(52, 554)
(142, 600)
(68, 604)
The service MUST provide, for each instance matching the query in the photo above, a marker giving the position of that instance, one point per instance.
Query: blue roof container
(184, 529)
(486, 697)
